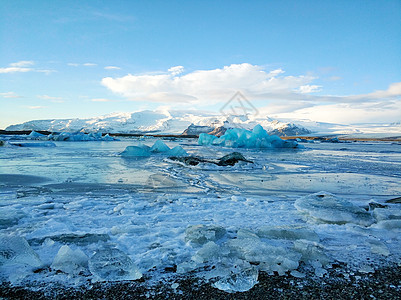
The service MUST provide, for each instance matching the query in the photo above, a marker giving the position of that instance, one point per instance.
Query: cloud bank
(205, 85)
(287, 96)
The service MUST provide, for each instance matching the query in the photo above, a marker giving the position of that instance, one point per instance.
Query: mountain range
(196, 122)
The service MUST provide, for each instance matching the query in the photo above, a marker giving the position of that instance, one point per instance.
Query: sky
(328, 61)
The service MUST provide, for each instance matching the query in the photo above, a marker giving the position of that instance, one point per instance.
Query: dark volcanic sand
(385, 283)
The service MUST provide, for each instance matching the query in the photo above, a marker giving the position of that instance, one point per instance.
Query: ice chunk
(10, 216)
(389, 213)
(70, 261)
(16, 250)
(113, 265)
(177, 151)
(311, 251)
(394, 225)
(159, 146)
(206, 139)
(201, 234)
(242, 138)
(238, 280)
(35, 135)
(288, 233)
(208, 252)
(107, 137)
(327, 208)
(270, 258)
(135, 151)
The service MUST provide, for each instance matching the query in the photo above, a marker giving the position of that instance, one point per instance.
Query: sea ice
(113, 265)
(327, 208)
(70, 261)
(242, 138)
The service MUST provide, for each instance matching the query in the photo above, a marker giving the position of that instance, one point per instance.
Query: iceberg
(242, 138)
(143, 150)
(159, 146)
(177, 151)
(135, 151)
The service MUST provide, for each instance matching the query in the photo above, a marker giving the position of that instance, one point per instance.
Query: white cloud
(51, 98)
(84, 64)
(101, 100)
(112, 68)
(288, 96)
(23, 66)
(9, 95)
(349, 113)
(306, 89)
(22, 63)
(36, 107)
(176, 70)
(14, 70)
(216, 85)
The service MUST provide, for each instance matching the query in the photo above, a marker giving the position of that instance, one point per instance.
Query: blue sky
(336, 61)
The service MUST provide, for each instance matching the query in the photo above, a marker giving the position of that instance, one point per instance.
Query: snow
(242, 138)
(82, 213)
(176, 121)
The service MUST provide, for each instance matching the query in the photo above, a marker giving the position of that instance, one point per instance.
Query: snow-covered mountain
(162, 122)
(195, 122)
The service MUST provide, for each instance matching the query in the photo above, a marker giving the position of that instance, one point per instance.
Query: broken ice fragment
(208, 252)
(287, 233)
(201, 234)
(113, 265)
(70, 261)
(241, 281)
(326, 207)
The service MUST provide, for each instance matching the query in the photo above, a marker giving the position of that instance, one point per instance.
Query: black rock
(227, 160)
(231, 159)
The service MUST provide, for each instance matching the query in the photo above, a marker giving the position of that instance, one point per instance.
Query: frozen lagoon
(86, 196)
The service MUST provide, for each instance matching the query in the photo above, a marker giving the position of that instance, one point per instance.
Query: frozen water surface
(81, 211)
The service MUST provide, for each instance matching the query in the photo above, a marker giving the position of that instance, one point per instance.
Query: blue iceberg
(143, 150)
(242, 138)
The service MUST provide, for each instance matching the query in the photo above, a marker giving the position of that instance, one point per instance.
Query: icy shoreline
(383, 284)
(226, 224)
